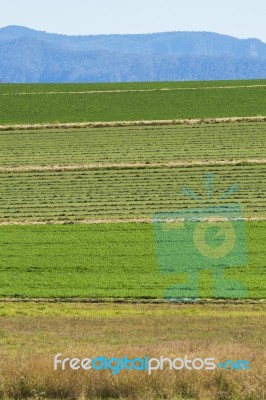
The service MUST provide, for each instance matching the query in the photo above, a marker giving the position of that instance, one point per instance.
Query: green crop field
(133, 144)
(116, 174)
(123, 192)
(81, 268)
(106, 261)
(76, 87)
(57, 103)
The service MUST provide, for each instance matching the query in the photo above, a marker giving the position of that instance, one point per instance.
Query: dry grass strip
(167, 164)
(117, 124)
(105, 221)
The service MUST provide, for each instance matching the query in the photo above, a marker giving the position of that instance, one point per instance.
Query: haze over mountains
(27, 55)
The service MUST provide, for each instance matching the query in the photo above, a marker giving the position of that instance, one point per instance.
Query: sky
(239, 18)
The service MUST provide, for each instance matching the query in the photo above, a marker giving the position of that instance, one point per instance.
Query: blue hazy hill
(27, 55)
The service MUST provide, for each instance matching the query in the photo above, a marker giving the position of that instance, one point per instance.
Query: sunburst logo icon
(209, 237)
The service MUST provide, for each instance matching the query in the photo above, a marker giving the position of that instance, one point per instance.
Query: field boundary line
(108, 221)
(132, 90)
(132, 165)
(111, 300)
(117, 124)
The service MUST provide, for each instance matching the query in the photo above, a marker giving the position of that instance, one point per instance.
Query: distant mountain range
(27, 55)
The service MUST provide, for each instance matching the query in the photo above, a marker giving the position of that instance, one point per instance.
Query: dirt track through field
(118, 124)
(131, 90)
(169, 164)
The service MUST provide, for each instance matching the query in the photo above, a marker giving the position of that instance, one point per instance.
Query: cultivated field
(123, 193)
(76, 235)
(58, 103)
(156, 144)
(105, 261)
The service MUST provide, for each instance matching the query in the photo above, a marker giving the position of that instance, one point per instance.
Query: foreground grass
(81, 107)
(107, 261)
(31, 334)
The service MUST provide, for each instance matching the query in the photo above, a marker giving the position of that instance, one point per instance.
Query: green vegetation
(14, 88)
(104, 261)
(134, 144)
(205, 101)
(119, 260)
(118, 311)
(114, 193)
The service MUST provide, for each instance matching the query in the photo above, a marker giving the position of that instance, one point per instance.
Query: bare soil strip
(131, 90)
(167, 164)
(106, 221)
(117, 124)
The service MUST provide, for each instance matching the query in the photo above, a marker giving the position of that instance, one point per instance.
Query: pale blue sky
(240, 18)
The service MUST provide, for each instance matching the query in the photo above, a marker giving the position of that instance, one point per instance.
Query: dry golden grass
(168, 164)
(192, 121)
(31, 334)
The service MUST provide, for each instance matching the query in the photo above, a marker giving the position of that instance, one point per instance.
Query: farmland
(118, 177)
(235, 141)
(78, 87)
(94, 103)
(105, 261)
(78, 260)
(121, 193)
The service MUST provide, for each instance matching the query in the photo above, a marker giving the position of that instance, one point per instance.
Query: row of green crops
(125, 192)
(81, 87)
(134, 144)
(105, 261)
(201, 102)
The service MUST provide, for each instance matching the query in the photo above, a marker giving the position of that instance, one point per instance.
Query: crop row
(104, 261)
(125, 192)
(153, 144)
(132, 106)
(83, 87)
